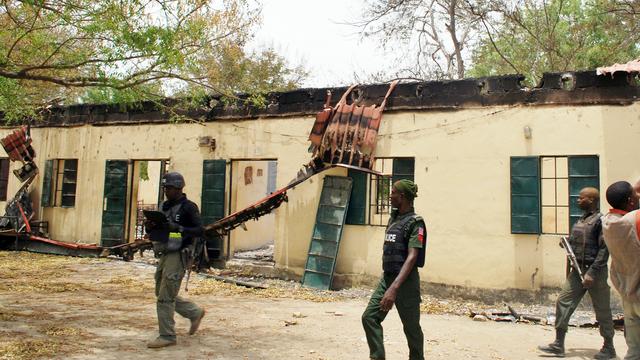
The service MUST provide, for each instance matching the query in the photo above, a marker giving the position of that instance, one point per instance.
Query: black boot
(607, 351)
(556, 347)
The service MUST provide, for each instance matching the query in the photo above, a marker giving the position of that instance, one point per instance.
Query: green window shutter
(403, 168)
(584, 171)
(47, 199)
(4, 178)
(525, 195)
(358, 201)
(213, 188)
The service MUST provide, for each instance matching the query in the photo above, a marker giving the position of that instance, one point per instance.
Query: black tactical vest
(175, 241)
(396, 245)
(173, 213)
(585, 238)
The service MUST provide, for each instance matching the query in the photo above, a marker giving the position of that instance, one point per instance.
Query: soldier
(403, 252)
(183, 225)
(591, 252)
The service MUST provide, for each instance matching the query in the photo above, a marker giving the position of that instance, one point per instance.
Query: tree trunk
(454, 38)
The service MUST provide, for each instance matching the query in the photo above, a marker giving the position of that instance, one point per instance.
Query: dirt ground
(70, 308)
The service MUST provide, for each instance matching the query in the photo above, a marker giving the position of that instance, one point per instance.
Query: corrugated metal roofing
(631, 66)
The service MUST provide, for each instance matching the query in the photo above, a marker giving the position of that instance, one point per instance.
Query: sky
(313, 34)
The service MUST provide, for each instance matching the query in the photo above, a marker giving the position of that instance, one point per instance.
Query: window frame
(576, 180)
(370, 205)
(556, 205)
(62, 179)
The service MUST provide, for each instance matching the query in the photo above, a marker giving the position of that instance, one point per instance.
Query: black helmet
(173, 179)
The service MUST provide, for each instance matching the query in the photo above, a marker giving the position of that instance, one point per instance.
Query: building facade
(498, 169)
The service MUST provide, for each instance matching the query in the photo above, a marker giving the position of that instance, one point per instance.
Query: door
(212, 202)
(114, 203)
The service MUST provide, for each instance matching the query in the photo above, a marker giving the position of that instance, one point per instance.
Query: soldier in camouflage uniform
(591, 251)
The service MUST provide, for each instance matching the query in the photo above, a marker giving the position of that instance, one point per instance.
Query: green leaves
(59, 52)
(555, 36)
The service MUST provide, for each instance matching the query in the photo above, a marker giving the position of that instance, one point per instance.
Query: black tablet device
(157, 217)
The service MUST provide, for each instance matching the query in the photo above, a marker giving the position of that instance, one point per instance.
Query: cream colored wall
(148, 189)
(462, 168)
(259, 232)
(92, 146)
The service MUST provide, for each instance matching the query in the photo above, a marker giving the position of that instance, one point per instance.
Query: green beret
(407, 187)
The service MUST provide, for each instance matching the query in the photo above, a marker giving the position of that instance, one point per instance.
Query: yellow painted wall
(258, 232)
(148, 189)
(462, 169)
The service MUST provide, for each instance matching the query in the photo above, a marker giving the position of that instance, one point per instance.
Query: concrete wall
(148, 189)
(462, 168)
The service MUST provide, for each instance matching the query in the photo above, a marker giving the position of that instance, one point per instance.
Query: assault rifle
(564, 242)
(196, 255)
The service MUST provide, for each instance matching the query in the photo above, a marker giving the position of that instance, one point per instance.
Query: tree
(435, 34)
(64, 51)
(231, 69)
(531, 37)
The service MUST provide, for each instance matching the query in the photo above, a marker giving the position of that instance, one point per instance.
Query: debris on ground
(480, 318)
(32, 265)
(262, 254)
(582, 319)
(108, 307)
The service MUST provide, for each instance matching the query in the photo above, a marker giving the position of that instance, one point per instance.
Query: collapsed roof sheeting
(631, 66)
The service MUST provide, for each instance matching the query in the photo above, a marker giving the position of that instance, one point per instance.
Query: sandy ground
(69, 308)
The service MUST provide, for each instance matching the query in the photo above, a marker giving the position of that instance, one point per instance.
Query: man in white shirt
(621, 229)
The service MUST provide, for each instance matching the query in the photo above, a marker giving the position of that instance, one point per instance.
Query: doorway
(252, 180)
(146, 193)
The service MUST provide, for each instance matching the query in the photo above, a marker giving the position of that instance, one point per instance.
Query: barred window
(544, 190)
(60, 183)
(375, 208)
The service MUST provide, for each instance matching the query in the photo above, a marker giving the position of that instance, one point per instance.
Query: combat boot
(556, 347)
(160, 343)
(607, 351)
(195, 323)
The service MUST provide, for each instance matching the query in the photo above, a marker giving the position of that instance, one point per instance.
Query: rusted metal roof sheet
(631, 66)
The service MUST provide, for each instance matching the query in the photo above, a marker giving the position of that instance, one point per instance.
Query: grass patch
(130, 284)
(17, 315)
(29, 349)
(215, 287)
(37, 285)
(53, 330)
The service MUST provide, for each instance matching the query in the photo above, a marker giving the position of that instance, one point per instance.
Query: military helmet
(173, 179)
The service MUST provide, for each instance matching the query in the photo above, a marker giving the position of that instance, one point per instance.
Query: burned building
(498, 167)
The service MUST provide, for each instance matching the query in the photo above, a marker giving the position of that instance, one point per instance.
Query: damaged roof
(568, 88)
(632, 66)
